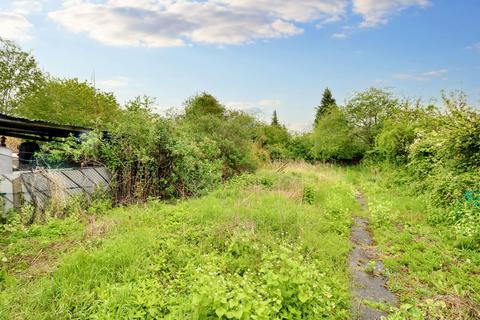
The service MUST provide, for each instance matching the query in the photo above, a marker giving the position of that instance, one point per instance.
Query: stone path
(368, 282)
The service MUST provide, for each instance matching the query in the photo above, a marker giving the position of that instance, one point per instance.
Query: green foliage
(445, 158)
(272, 135)
(241, 252)
(308, 195)
(19, 76)
(371, 266)
(275, 139)
(151, 156)
(468, 221)
(367, 111)
(203, 104)
(439, 151)
(300, 147)
(393, 141)
(334, 138)
(275, 119)
(327, 103)
(61, 153)
(232, 132)
(197, 167)
(69, 101)
(429, 264)
(283, 288)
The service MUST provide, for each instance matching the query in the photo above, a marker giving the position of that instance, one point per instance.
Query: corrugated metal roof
(35, 129)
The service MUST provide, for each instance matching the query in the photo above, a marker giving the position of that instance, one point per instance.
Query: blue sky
(256, 55)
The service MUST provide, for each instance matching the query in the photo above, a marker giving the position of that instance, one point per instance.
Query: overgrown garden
(199, 229)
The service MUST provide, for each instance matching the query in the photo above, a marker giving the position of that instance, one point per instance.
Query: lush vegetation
(431, 150)
(196, 227)
(432, 267)
(266, 246)
(257, 248)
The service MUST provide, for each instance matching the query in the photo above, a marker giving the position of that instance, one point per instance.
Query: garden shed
(22, 180)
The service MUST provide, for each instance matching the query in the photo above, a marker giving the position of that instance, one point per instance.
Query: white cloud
(167, 23)
(340, 35)
(435, 73)
(377, 12)
(26, 7)
(113, 83)
(299, 11)
(242, 106)
(299, 127)
(262, 108)
(474, 46)
(425, 76)
(269, 103)
(14, 26)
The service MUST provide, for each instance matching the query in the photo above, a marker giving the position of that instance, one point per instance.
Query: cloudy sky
(256, 55)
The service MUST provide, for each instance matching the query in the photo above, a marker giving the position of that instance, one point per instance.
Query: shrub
(275, 139)
(232, 132)
(393, 141)
(163, 157)
(308, 195)
(301, 147)
(334, 138)
(445, 157)
(196, 166)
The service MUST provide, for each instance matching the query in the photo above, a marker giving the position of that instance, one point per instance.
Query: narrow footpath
(368, 285)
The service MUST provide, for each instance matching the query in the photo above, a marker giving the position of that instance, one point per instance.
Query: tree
(203, 104)
(325, 106)
(367, 111)
(69, 101)
(19, 75)
(301, 147)
(275, 119)
(231, 131)
(334, 139)
(274, 139)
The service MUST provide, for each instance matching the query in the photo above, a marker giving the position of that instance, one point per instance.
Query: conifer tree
(325, 106)
(275, 119)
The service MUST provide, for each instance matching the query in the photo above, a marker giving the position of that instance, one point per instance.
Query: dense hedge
(435, 150)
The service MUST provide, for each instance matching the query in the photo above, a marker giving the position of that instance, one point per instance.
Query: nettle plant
(284, 287)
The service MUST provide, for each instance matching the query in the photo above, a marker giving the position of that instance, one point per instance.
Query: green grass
(268, 246)
(435, 276)
(254, 249)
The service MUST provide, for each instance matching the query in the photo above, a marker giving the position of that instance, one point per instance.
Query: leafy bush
(334, 138)
(153, 156)
(468, 220)
(69, 101)
(283, 288)
(445, 158)
(308, 195)
(196, 166)
(393, 141)
(232, 131)
(275, 139)
(301, 147)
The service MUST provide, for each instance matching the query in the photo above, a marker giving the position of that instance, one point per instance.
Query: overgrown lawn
(265, 246)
